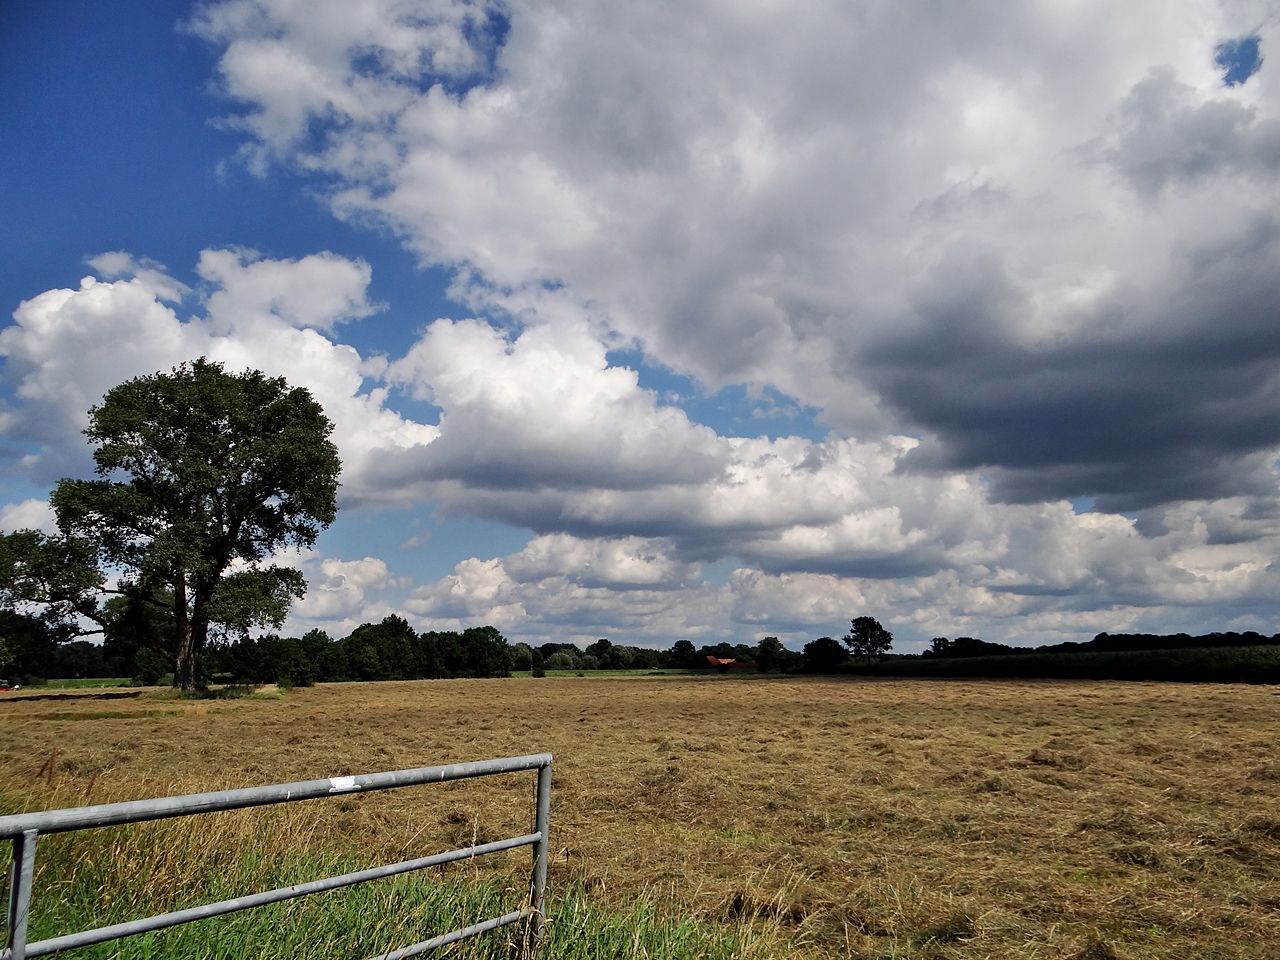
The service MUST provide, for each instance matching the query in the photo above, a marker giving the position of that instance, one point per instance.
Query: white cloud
(317, 291)
(630, 561)
(759, 194)
(338, 591)
(151, 276)
(1047, 575)
(559, 587)
(417, 540)
(544, 411)
(29, 514)
(68, 347)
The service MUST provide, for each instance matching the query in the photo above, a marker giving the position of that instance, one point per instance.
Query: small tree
(868, 639)
(684, 655)
(769, 654)
(561, 661)
(217, 472)
(148, 667)
(521, 657)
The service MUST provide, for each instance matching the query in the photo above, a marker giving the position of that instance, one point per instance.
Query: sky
(696, 320)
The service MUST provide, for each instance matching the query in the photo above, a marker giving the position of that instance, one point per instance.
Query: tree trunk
(199, 621)
(184, 670)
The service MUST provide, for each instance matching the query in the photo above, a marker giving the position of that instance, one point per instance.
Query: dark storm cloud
(1170, 396)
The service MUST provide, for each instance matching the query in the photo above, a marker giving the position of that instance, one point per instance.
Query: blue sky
(766, 338)
(110, 114)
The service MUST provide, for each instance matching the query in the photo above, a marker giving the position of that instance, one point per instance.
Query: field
(814, 817)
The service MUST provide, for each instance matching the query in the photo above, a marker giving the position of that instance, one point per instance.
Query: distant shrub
(521, 657)
(824, 655)
(149, 667)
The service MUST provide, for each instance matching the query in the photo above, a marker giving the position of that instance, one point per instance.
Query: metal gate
(24, 829)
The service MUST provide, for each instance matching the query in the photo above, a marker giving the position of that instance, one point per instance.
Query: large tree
(202, 476)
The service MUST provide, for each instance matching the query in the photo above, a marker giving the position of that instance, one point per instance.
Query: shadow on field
(74, 696)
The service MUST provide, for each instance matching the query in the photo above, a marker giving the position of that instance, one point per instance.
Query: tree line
(966, 647)
(139, 643)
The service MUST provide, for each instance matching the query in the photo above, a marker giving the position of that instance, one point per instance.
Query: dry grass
(865, 818)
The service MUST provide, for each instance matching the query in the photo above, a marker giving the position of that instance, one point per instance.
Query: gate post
(538, 888)
(21, 871)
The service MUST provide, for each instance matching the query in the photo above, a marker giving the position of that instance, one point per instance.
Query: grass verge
(90, 879)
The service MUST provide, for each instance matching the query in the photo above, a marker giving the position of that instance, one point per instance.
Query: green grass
(84, 683)
(369, 919)
(94, 878)
(231, 691)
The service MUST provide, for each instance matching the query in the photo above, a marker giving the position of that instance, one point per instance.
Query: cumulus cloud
(318, 291)
(68, 347)
(560, 586)
(629, 499)
(773, 196)
(1043, 574)
(30, 514)
(544, 411)
(344, 593)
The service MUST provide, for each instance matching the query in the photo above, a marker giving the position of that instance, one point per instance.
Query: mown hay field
(845, 817)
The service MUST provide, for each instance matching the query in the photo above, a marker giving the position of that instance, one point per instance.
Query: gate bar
(136, 811)
(101, 934)
(447, 938)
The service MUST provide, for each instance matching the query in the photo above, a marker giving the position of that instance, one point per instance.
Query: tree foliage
(824, 655)
(868, 638)
(771, 655)
(58, 577)
(202, 476)
(389, 650)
